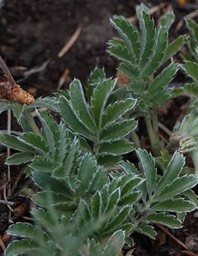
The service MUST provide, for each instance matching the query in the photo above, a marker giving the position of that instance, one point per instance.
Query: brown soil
(32, 33)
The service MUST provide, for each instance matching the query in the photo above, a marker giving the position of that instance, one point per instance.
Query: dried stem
(70, 43)
(6, 71)
(173, 237)
(7, 202)
(8, 150)
(152, 129)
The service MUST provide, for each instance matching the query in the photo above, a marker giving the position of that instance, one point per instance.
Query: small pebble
(192, 242)
(195, 215)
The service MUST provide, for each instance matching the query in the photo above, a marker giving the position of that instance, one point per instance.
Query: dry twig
(6, 71)
(64, 78)
(189, 253)
(173, 237)
(2, 245)
(152, 10)
(190, 15)
(12, 82)
(70, 43)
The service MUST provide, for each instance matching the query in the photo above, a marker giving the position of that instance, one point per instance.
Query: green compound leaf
(44, 102)
(174, 47)
(129, 182)
(129, 168)
(119, 218)
(42, 199)
(117, 109)
(117, 130)
(129, 199)
(14, 142)
(191, 69)
(91, 176)
(163, 79)
(25, 230)
(98, 180)
(150, 172)
(174, 168)
(99, 99)
(193, 27)
(46, 218)
(113, 200)
(148, 36)
(21, 113)
(146, 230)
(4, 105)
(191, 88)
(108, 160)
(113, 245)
(20, 158)
(174, 205)
(80, 105)
(19, 247)
(156, 59)
(45, 181)
(191, 195)
(179, 185)
(130, 70)
(42, 164)
(96, 205)
(167, 20)
(164, 219)
(153, 51)
(129, 33)
(62, 169)
(114, 148)
(36, 142)
(119, 50)
(48, 124)
(72, 120)
(83, 213)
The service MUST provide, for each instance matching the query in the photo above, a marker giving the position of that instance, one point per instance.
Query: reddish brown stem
(189, 253)
(6, 71)
(173, 237)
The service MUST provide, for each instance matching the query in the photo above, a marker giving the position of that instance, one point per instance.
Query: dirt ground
(34, 32)
(32, 35)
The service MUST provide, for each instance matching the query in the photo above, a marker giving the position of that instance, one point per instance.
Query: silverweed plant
(146, 60)
(185, 135)
(90, 199)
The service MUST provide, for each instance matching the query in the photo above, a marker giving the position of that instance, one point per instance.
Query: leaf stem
(30, 120)
(155, 122)
(152, 129)
(194, 156)
(135, 139)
